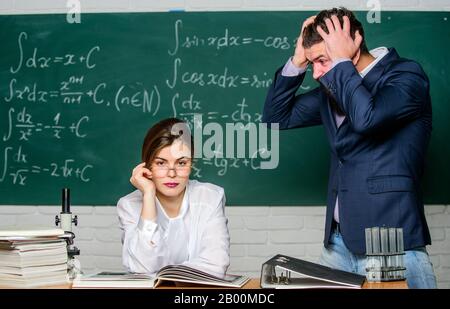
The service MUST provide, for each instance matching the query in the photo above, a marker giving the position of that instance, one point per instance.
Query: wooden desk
(254, 284)
(385, 285)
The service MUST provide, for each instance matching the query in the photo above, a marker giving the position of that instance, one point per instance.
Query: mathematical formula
(68, 105)
(19, 167)
(224, 40)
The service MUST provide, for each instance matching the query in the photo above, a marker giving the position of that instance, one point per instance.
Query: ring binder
(285, 272)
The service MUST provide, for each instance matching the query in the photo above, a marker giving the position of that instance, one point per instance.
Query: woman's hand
(141, 178)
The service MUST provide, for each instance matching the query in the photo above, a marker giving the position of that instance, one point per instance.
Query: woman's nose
(172, 173)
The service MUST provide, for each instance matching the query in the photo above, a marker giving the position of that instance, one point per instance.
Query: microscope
(65, 220)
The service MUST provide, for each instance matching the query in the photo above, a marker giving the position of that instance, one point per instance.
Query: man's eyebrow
(318, 57)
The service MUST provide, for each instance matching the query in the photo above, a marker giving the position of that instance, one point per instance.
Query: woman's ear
(356, 57)
(149, 168)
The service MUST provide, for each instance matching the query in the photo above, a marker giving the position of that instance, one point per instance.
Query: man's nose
(317, 73)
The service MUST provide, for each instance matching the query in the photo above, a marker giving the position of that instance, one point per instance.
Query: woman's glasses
(161, 168)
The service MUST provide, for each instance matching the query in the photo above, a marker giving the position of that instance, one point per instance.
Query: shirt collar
(163, 218)
(378, 53)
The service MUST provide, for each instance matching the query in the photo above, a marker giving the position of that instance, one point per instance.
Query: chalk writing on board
(131, 95)
(18, 166)
(223, 79)
(37, 61)
(225, 39)
(76, 87)
(187, 108)
(22, 121)
(223, 165)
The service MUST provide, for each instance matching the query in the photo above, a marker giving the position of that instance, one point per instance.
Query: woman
(171, 219)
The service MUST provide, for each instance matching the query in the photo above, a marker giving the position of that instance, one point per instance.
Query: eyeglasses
(182, 168)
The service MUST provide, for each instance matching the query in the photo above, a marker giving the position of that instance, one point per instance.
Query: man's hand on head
(338, 42)
(299, 58)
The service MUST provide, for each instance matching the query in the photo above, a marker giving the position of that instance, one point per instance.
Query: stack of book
(32, 258)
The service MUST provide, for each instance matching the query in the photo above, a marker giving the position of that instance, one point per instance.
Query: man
(376, 110)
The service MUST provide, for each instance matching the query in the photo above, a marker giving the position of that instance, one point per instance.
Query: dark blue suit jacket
(377, 154)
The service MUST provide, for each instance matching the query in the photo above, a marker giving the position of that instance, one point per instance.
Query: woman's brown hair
(164, 134)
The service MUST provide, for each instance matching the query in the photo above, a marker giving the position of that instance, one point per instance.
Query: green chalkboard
(77, 99)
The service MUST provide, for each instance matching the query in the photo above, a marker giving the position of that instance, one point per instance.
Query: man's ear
(356, 57)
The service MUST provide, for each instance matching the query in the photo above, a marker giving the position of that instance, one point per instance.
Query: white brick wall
(257, 233)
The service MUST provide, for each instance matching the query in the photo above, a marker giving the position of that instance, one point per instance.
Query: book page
(30, 231)
(183, 273)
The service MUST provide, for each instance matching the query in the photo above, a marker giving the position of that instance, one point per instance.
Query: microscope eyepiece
(65, 201)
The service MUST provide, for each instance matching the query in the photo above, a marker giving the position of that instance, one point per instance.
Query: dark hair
(164, 134)
(311, 36)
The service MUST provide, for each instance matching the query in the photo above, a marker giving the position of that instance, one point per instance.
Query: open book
(186, 274)
(284, 272)
(113, 280)
(173, 274)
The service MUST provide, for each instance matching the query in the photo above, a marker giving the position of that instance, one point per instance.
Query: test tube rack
(384, 252)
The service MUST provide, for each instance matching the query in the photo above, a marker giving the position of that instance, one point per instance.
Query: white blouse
(197, 237)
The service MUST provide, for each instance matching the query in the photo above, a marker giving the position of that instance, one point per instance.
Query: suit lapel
(369, 82)
(375, 73)
(329, 110)
(331, 115)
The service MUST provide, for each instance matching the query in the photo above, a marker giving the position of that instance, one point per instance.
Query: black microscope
(65, 221)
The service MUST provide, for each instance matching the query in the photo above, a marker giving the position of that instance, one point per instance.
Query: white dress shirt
(197, 237)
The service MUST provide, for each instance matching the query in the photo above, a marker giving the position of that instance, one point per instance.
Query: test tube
(400, 247)
(376, 240)
(392, 240)
(384, 232)
(368, 241)
(393, 250)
